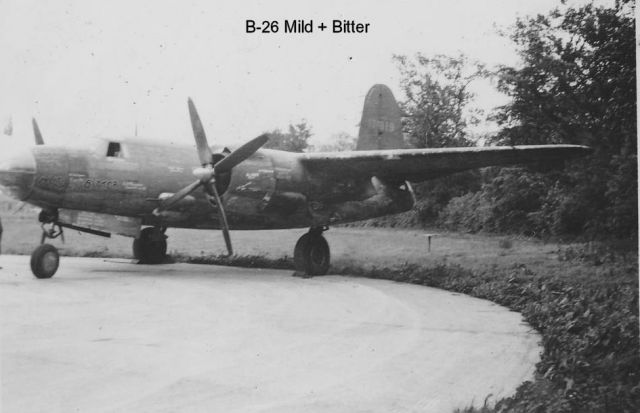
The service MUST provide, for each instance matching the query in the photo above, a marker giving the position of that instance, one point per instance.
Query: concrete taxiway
(109, 335)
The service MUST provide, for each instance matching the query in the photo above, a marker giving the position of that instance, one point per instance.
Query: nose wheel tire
(45, 261)
(151, 247)
(311, 255)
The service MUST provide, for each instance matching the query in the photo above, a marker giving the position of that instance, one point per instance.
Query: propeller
(36, 132)
(209, 170)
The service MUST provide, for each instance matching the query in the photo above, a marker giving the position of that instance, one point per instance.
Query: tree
(296, 140)
(438, 113)
(437, 106)
(577, 85)
(339, 142)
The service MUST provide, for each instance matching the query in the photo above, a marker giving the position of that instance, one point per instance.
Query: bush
(505, 243)
(468, 213)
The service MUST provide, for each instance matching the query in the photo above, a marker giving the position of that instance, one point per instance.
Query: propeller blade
(206, 174)
(36, 132)
(240, 154)
(211, 190)
(175, 198)
(204, 152)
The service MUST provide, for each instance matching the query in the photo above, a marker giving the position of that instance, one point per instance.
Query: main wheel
(311, 255)
(151, 247)
(45, 261)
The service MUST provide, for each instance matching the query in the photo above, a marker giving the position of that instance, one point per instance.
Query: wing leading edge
(417, 165)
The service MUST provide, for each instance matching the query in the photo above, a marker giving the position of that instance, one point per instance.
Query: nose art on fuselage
(17, 170)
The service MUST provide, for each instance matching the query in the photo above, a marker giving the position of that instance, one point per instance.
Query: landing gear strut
(311, 254)
(45, 259)
(151, 247)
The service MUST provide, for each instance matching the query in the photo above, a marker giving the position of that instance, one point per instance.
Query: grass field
(366, 247)
(581, 297)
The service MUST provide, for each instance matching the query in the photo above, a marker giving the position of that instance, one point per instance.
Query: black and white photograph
(305, 206)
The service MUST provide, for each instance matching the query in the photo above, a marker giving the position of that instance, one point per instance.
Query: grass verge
(588, 319)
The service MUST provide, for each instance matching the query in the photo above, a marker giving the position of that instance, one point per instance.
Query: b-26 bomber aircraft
(138, 188)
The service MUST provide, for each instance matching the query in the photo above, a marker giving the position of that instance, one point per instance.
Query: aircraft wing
(422, 164)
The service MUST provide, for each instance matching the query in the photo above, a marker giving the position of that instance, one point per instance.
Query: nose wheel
(45, 259)
(311, 254)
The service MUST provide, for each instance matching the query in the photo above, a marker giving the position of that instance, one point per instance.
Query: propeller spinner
(209, 170)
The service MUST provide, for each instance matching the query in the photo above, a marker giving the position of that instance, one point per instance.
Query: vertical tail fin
(380, 126)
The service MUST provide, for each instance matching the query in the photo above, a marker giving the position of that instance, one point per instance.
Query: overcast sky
(99, 68)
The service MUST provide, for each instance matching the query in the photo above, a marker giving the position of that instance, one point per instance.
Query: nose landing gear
(45, 259)
(311, 254)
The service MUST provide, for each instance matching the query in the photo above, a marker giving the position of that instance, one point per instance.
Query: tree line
(576, 84)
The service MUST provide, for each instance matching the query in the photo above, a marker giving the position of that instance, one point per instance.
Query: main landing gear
(151, 247)
(45, 259)
(311, 255)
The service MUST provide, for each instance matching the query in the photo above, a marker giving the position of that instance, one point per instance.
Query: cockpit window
(114, 150)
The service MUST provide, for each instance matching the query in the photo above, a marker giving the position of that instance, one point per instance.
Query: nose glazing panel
(17, 170)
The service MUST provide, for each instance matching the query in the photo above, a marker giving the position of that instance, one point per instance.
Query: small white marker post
(429, 241)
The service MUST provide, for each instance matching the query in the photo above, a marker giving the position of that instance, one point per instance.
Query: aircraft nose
(17, 170)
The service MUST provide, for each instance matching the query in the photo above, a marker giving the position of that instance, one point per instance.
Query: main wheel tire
(151, 247)
(311, 254)
(45, 261)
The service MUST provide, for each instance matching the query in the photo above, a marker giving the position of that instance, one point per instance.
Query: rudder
(380, 126)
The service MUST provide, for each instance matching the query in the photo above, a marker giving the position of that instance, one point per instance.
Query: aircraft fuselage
(269, 190)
